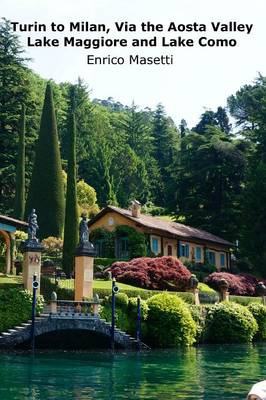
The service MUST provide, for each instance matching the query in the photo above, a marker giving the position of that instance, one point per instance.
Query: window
(184, 250)
(222, 260)
(211, 257)
(169, 250)
(155, 245)
(198, 254)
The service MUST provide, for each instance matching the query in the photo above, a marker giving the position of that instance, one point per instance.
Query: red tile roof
(173, 228)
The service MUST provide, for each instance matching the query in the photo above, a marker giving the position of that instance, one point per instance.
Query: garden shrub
(121, 300)
(229, 323)
(169, 322)
(242, 284)
(204, 288)
(121, 318)
(259, 313)
(198, 316)
(16, 306)
(145, 294)
(207, 295)
(126, 312)
(161, 273)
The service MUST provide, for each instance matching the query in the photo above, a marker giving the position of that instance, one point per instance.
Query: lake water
(207, 372)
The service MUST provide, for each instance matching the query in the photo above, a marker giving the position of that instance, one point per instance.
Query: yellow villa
(163, 237)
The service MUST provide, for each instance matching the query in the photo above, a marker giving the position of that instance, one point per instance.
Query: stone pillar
(83, 277)
(223, 290)
(84, 263)
(193, 287)
(31, 263)
(32, 250)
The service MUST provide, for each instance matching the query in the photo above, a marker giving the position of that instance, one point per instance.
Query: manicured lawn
(108, 284)
(97, 284)
(10, 279)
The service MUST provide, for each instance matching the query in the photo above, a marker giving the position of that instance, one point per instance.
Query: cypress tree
(71, 216)
(19, 208)
(46, 193)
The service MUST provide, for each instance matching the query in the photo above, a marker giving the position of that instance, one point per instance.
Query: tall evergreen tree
(166, 142)
(46, 192)
(71, 215)
(20, 173)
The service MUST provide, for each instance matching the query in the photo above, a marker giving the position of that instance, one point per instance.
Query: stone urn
(223, 289)
(261, 291)
(193, 282)
(193, 287)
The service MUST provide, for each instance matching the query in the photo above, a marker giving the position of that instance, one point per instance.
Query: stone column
(223, 290)
(32, 250)
(193, 287)
(84, 263)
(31, 263)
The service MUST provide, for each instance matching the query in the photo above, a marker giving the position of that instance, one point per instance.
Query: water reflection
(209, 372)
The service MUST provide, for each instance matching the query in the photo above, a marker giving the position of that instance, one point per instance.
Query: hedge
(259, 313)
(126, 313)
(245, 300)
(169, 322)
(207, 295)
(229, 323)
(48, 286)
(16, 306)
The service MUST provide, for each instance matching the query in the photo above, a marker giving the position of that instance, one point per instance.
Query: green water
(209, 372)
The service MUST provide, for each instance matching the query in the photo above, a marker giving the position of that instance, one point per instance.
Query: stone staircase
(21, 333)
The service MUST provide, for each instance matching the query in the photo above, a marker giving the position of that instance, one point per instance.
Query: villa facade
(163, 237)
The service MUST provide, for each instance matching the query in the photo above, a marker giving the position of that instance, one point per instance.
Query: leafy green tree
(248, 107)
(18, 85)
(13, 92)
(252, 243)
(210, 182)
(71, 214)
(20, 173)
(46, 187)
(166, 145)
(210, 118)
(87, 198)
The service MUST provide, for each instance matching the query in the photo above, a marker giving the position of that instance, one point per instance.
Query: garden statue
(85, 247)
(83, 230)
(32, 243)
(33, 225)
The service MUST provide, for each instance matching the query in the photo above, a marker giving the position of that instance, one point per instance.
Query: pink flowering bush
(152, 273)
(241, 284)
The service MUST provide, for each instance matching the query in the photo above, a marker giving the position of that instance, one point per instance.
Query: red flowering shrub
(242, 284)
(152, 273)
